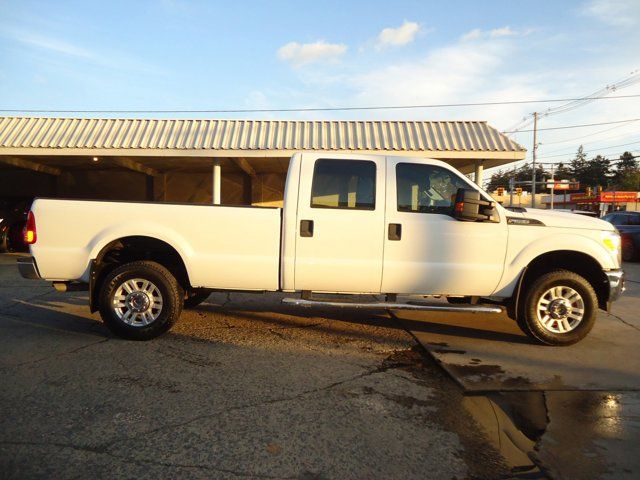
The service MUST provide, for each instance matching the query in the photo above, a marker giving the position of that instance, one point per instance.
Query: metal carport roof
(472, 140)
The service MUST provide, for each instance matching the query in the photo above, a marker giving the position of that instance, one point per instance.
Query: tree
(562, 172)
(590, 173)
(576, 166)
(498, 179)
(627, 173)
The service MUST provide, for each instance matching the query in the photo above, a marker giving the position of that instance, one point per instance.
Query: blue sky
(179, 54)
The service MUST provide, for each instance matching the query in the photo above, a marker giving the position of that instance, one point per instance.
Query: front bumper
(616, 284)
(27, 268)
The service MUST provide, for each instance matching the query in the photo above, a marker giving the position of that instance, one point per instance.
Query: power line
(631, 79)
(325, 109)
(590, 135)
(599, 153)
(575, 126)
(564, 150)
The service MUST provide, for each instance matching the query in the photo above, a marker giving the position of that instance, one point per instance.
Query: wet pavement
(245, 388)
(573, 412)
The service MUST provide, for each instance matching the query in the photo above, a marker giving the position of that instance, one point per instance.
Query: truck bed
(230, 247)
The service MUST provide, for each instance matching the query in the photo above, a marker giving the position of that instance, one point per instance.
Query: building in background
(599, 202)
(241, 162)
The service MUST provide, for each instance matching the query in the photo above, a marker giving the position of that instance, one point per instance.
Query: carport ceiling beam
(135, 166)
(30, 165)
(245, 166)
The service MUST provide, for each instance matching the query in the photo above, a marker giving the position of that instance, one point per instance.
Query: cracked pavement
(241, 388)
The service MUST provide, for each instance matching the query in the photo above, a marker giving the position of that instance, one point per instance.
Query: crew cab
(350, 224)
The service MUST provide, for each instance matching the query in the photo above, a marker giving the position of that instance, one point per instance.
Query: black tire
(531, 324)
(171, 295)
(629, 253)
(193, 298)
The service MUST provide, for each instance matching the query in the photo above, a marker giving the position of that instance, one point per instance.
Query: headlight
(611, 241)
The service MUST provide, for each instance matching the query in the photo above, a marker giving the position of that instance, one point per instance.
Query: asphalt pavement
(241, 388)
(244, 387)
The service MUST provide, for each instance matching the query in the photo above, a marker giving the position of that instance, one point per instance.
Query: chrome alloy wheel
(560, 309)
(137, 302)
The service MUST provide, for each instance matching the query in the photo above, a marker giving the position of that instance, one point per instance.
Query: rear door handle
(306, 228)
(395, 231)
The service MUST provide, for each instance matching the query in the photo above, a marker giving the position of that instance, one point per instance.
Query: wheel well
(577, 262)
(129, 249)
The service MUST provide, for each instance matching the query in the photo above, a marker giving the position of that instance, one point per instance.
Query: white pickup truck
(351, 224)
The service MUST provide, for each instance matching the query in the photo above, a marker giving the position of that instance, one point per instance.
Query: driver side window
(426, 188)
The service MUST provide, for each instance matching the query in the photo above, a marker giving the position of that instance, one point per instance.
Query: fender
(574, 241)
(112, 234)
(137, 229)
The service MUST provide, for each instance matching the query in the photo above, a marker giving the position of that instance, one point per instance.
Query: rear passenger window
(348, 184)
(426, 188)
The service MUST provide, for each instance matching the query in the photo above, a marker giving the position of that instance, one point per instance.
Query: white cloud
(47, 43)
(54, 47)
(299, 54)
(395, 37)
(618, 13)
(477, 34)
(502, 32)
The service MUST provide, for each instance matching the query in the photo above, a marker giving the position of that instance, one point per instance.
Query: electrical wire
(631, 79)
(591, 135)
(575, 126)
(322, 109)
(564, 150)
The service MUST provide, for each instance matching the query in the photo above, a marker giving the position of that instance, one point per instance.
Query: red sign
(608, 197)
(582, 197)
(563, 185)
(605, 197)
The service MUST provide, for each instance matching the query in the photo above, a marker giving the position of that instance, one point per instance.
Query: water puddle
(562, 434)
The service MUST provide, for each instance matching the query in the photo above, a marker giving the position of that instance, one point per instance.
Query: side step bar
(428, 307)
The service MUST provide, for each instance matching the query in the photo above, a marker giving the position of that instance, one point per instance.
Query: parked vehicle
(351, 224)
(13, 216)
(628, 224)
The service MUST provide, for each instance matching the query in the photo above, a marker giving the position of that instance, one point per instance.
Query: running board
(428, 307)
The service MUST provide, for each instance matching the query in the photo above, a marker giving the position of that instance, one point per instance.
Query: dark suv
(628, 224)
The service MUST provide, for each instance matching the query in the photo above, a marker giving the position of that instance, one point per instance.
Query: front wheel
(559, 308)
(140, 300)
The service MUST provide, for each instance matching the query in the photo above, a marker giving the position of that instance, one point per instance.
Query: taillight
(459, 207)
(29, 233)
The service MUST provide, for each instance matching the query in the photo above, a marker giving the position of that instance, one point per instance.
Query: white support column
(217, 175)
(479, 172)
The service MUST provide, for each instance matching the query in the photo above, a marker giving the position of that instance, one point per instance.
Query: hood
(552, 218)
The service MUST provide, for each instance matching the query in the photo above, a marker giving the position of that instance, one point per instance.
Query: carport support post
(479, 173)
(217, 173)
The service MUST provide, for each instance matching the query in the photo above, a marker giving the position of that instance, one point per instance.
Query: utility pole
(535, 147)
(553, 185)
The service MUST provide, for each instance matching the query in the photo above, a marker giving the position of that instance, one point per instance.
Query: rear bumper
(28, 268)
(616, 284)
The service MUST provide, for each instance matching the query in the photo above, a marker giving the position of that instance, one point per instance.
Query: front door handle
(395, 231)
(306, 228)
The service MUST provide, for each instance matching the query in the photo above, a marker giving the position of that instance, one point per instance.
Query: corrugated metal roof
(251, 135)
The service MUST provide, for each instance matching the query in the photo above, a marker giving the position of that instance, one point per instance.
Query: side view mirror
(470, 206)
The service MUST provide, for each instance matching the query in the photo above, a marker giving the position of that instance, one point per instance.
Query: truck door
(340, 223)
(426, 250)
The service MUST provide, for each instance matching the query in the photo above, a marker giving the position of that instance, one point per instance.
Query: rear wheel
(559, 308)
(140, 300)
